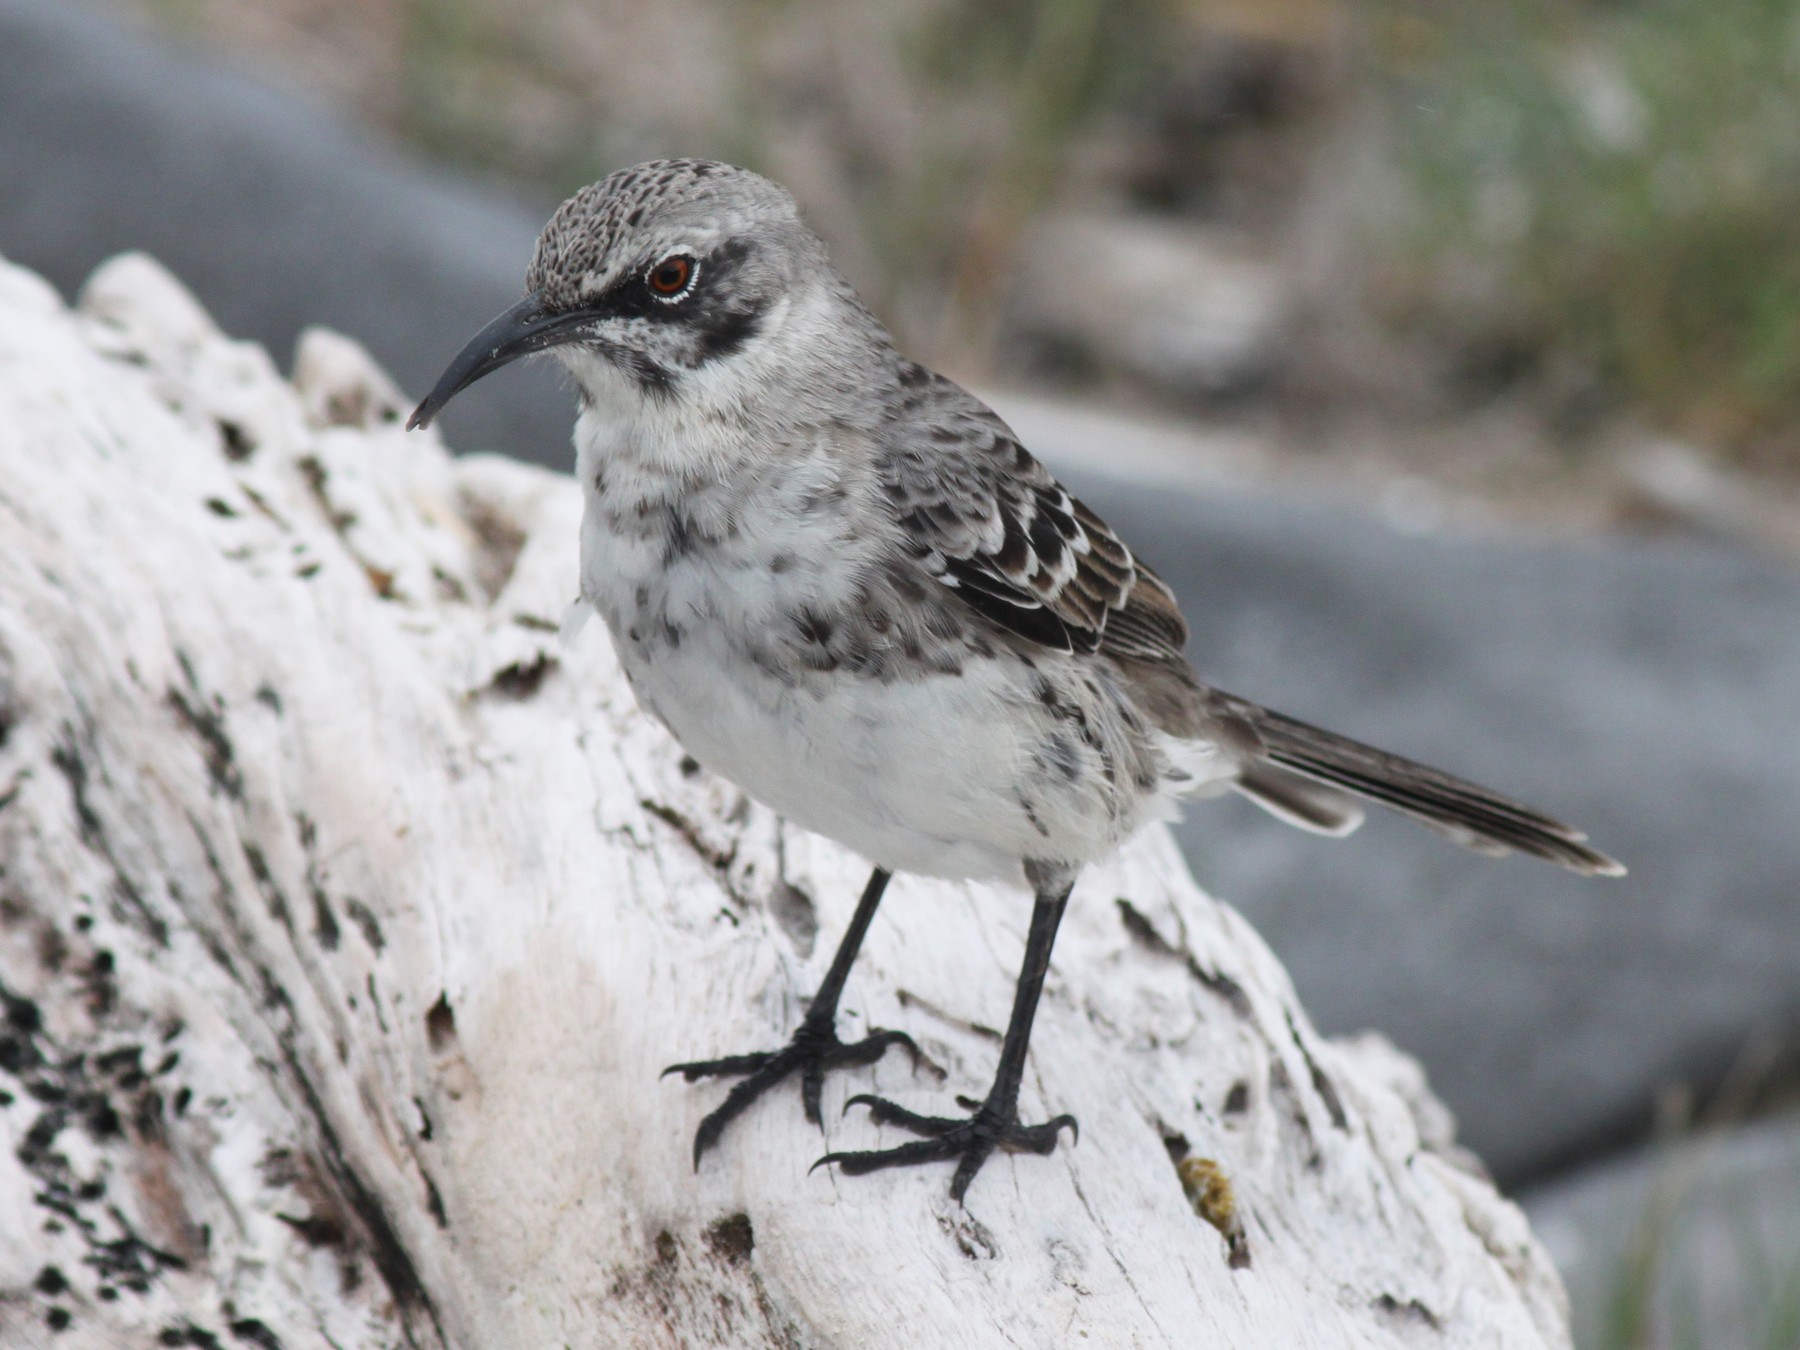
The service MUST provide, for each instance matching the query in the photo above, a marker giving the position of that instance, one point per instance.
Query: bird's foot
(970, 1140)
(814, 1049)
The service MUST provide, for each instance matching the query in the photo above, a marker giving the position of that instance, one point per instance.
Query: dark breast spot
(1061, 754)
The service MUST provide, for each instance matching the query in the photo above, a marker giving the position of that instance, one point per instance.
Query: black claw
(884, 1112)
(814, 1049)
(731, 1065)
(970, 1141)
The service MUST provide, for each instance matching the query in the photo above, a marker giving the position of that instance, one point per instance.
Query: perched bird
(843, 584)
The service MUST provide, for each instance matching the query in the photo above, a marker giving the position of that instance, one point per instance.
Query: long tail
(1305, 772)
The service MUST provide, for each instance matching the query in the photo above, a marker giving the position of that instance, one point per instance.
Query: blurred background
(1445, 357)
(1538, 251)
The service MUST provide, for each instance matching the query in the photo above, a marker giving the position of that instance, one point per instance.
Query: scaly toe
(970, 1141)
(884, 1112)
(814, 1049)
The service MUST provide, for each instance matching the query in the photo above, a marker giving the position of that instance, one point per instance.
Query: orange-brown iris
(670, 276)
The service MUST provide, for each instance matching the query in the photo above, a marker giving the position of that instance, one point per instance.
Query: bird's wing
(983, 517)
(979, 514)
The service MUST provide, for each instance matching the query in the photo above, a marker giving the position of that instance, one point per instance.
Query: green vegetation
(1603, 195)
(1657, 1298)
(1609, 196)
(940, 137)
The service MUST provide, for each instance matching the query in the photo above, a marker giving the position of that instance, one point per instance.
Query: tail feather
(1471, 815)
(1304, 802)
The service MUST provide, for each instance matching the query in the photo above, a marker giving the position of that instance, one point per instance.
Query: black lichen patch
(189, 1335)
(448, 588)
(1410, 1311)
(253, 1331)
(440, 1025)
(68, 759)
(325, 924)
(101, 1094)
(273, 898)
(718, 1300)
(796, 916)
(102, 983)
(204, 718)
(345, 1214)
(238, 443)
(1144, 932)
(972, 1238)
(718, 859)
(731, 1238)
(522, 679)
(502, 541)
(316, 475)
(1237, 1099)
(1282, 1094)
(1326, 1089)
(364, 919)
(316, 1230)
(435, 1203)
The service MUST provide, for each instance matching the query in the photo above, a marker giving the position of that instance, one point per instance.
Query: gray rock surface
(1696, 1243)
(1648, 691)
(275, 213)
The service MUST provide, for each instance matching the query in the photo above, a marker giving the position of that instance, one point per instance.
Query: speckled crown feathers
(575, 253)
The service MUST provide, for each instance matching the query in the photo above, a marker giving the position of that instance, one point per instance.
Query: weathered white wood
(349, 913)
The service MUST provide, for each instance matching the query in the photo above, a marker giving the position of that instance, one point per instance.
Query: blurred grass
(1608, 199)
(1600, 198)
(1656, 1299)
(996, 93)
(1708, 1257)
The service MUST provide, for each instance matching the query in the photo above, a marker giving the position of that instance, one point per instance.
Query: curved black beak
(525, 328)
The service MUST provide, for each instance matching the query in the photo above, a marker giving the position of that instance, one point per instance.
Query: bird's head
(662, 282)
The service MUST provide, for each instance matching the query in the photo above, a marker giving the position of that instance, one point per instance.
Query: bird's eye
(670, 277)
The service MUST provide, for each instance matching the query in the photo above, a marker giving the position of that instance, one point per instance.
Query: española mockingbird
(843, 584)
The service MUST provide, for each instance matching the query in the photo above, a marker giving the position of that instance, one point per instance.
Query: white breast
(932, 773)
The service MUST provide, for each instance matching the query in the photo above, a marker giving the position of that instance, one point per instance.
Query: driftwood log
(349, 909)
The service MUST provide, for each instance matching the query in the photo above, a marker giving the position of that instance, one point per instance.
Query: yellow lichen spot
(1209, 1191)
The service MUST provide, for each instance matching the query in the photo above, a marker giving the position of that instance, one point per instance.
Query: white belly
(956, 775)
(916, 776)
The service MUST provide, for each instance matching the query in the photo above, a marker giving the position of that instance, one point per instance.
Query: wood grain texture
(349, 912)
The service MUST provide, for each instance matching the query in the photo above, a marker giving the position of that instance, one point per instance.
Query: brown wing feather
(986, 518)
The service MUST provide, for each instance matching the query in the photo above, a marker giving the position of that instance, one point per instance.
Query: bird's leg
(814, 1048)
(994, 1123)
